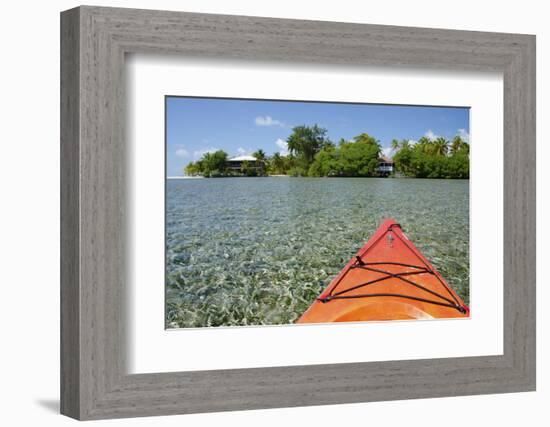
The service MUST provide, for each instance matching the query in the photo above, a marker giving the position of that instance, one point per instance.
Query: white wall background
(29, 212)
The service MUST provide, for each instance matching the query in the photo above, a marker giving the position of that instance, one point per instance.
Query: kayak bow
(388, 279)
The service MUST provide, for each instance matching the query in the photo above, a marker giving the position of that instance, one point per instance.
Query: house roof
(385, 159)
(242, 159)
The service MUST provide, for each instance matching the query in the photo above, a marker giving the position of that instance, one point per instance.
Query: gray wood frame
(94, 41)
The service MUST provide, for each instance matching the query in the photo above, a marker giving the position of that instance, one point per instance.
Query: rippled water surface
(258, 251)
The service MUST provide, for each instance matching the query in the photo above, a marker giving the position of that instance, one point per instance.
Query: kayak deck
(388, 279)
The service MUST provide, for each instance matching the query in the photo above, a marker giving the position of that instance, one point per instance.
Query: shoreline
(321, 177)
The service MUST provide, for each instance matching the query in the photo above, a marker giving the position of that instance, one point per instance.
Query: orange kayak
(388, 279)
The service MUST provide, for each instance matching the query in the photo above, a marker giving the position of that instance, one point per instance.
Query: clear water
(258, 251)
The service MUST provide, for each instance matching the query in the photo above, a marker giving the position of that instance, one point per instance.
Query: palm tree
(440, 147)
(395, 144)
(458, 144)
(277, 164)
(405, 144)
(424, 145)
(260, 158)
(260, 155)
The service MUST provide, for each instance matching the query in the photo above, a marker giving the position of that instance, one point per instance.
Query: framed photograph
(262, 213)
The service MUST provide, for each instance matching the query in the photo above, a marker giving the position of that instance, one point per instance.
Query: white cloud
(430, 135)
(182, 152)
(413, 141)
(283, 147)
(464, 135)
(241, 151)
(267, 121)
(199, 153)
(387, 152)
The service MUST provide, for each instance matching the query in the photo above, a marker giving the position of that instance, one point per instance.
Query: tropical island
(313, 154)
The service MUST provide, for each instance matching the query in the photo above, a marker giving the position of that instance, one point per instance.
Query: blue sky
(195, 126)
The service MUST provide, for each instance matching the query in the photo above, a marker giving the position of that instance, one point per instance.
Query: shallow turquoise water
(257, 251)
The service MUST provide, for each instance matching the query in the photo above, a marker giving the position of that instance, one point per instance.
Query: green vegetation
(248, 170)
(305, 143)
(433, 158)
(280, 165)
(358, 157)
(313, 154)
(210, 165)
(261, 158)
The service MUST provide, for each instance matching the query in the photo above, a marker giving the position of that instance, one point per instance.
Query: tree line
(437, 158)
(312, 153)
(215, 164)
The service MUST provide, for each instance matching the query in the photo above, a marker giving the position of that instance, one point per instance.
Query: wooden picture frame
(94, 41)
